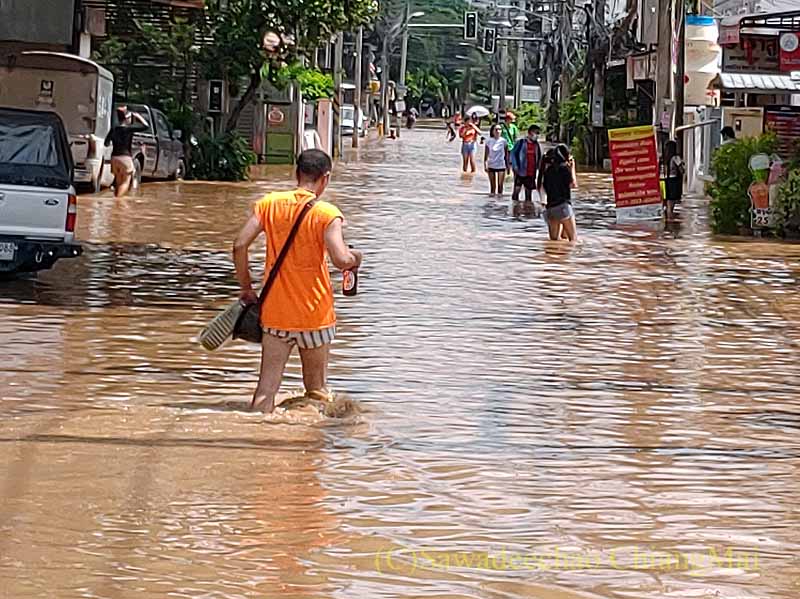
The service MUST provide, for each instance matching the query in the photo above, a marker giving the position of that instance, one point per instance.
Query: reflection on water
(540, 420)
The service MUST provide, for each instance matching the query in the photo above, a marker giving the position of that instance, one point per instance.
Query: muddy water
(618, 419)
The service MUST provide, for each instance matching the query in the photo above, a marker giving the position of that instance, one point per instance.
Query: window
(162, 126)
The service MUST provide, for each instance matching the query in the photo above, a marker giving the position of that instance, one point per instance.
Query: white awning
(759, 83)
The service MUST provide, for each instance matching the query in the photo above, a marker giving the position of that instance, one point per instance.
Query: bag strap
(273, 273)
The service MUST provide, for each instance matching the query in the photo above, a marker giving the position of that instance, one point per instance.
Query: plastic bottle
(350, 281)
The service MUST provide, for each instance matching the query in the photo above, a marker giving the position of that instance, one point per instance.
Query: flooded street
(618, 419)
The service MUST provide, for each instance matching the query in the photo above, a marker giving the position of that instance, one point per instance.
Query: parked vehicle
(80, 91)
(158, 153)
(349, 120)
(38, 206)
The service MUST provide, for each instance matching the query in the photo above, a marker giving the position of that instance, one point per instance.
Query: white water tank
(702, 60)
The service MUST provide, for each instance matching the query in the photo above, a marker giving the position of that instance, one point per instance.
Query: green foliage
(425, 83)
(574, 117)
(730, 204)
(314, 84)
(238, 32)
(530, 113)
(173, 46)
(787, 209)
(224, 158)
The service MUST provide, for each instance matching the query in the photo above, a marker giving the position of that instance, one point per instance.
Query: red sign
(790, 52)
(785, 122)
(634, 165)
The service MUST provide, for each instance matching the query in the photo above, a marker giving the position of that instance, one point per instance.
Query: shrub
(730, 204)
(224, 158)
(787, 209)
(530, 113)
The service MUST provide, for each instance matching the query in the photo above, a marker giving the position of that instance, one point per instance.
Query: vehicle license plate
(7, 251)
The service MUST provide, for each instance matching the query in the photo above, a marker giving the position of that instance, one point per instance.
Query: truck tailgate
(33, 212)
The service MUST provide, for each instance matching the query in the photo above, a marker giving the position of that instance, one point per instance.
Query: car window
(28, 144)
(162, 126)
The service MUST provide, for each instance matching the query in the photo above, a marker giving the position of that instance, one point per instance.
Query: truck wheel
(136, 182)
(97, 183)
(180, 171)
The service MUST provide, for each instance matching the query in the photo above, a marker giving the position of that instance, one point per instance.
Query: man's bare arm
(241, 260)
(342, 257)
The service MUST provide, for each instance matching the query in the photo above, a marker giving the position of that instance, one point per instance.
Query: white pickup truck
(38, 206)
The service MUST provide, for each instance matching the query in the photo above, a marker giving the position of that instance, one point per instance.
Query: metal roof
(758, 83)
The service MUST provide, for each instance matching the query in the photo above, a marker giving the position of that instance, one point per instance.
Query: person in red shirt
(526, 160)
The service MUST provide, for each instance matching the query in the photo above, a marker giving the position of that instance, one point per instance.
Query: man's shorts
(122, 166)
(304, 339)
(528, 182)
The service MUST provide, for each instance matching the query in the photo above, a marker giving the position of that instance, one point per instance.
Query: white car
(38, 206)
(348, 120)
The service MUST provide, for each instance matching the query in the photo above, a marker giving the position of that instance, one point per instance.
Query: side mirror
(177, 134)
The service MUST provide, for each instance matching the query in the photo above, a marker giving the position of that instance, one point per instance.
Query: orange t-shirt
(301, 297)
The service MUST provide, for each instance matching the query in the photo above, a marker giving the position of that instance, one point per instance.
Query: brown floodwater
(618, 419)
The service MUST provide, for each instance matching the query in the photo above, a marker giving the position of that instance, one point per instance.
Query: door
(146, 142)
(34, 212)
(166, 151)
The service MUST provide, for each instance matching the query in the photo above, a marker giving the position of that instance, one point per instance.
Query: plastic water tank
(702, 59)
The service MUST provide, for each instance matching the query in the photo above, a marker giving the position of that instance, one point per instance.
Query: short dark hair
(728, 133)
(313, 165)
(533, 128)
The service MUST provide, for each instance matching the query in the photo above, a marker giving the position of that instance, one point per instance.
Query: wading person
(510, 132)
(494, 160)
(674, 170)
(121, 137)
(469, 133)
(526, 160)
(558, 179)
(298, 309)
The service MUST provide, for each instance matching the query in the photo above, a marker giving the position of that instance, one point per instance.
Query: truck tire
(138, 167)
(97, 183)
(180, 171)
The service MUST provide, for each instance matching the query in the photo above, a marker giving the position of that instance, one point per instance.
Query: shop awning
(758, 84)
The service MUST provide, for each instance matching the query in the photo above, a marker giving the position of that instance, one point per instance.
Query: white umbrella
(479, 110)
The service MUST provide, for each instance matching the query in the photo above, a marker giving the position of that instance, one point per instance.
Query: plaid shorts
(304, 339)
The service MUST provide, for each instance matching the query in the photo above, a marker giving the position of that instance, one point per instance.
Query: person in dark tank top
(558, 179)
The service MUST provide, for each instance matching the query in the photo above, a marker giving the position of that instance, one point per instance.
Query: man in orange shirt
(298, 309)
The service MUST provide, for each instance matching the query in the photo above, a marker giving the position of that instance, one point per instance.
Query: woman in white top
(494, 160)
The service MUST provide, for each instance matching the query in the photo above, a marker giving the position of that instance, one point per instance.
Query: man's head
(728, 133)
(510, 117)
(533, 132)
(314, 170)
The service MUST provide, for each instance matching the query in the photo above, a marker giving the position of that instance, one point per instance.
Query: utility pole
(519, 74)
(359, 61)
(664, 78)
(503, 74)
(401, 86)
(337, 95)
(385, 85)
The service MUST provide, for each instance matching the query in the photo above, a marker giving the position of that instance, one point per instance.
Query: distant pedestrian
(469, 133)
(298, 310)
(673, 169)
(121, 137)
(494, 160)
(558, 179)
(728, 135)
(510, 132)
(526, 160)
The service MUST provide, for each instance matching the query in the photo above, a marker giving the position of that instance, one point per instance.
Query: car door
(166, 152)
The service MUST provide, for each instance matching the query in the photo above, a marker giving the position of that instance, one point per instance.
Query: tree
(252, 39)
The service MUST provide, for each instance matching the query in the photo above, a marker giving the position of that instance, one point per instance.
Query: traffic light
(471, 26)
(489, 40)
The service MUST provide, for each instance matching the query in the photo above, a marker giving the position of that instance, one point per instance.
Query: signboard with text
(752, 54)
(790, 52)
(634, 166)
(784, 121)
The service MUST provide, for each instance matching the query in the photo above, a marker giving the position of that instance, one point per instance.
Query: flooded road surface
(619, 419)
